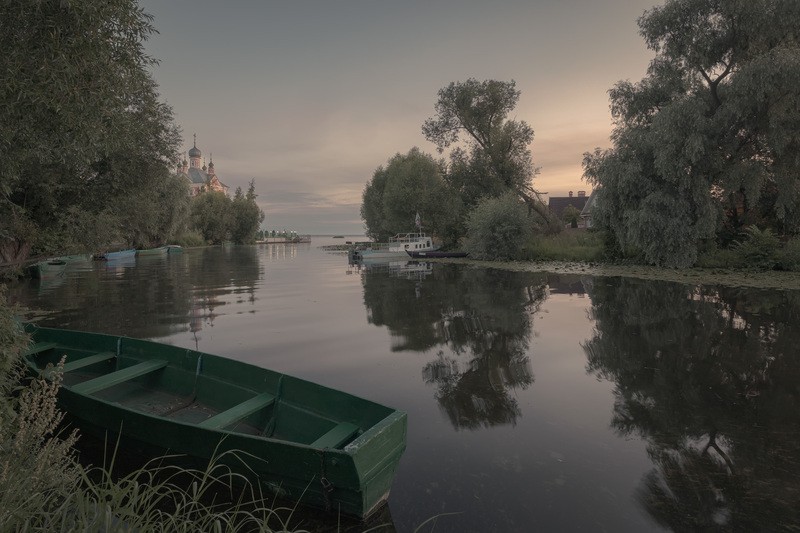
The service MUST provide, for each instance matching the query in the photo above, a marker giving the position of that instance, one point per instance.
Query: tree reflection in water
(479, 321)
(709, 378)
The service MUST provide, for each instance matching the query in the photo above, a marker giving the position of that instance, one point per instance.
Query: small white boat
(398, 247)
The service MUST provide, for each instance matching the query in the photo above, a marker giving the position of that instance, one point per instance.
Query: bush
(789, 256)
(758, 249)
(498, 228)
(189, 239)
(12, 341)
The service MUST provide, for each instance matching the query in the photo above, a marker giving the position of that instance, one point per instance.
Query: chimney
(581, 194)
(570, 194)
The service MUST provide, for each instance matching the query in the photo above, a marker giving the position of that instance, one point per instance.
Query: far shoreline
(694, 276)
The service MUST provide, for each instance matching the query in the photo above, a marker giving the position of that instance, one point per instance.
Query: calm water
(536, 402)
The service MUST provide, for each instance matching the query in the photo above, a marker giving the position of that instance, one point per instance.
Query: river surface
(536, 402)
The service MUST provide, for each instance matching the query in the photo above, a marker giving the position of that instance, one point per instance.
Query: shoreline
(694, 276)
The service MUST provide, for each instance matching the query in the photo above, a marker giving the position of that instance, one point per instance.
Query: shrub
(12, 341)
(758, 249)
(789, 256)
(189, 239)
(498, 228)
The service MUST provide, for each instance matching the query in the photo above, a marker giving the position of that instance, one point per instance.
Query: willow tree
(491, 153)
(83, 126)
(709, 140)
(408, 185)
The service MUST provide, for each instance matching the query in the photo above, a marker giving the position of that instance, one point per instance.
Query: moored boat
(397, 247)
(75, 258)
(122, 254)
(323, 447)
(433, 254)
(48, 269)
(161, 250)
(174, 249)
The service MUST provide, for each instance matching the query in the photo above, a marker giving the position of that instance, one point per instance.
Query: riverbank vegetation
(705, 147)
(90, 150)
(704, 163)
(43, 486)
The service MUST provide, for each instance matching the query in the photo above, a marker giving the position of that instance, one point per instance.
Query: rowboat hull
(153, 251)
(434, 254)
(122, 254)
(305, 442)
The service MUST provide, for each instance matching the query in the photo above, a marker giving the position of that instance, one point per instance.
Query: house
(201, 178)
(559, 204)
(586, 213)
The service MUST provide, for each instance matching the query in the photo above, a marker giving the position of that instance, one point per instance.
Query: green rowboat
(310, 443)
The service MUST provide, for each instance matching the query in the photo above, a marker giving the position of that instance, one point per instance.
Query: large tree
(247, 216)
(709, 140)
(83, 125)
(409, 184)
(491, 153)
(212, 216)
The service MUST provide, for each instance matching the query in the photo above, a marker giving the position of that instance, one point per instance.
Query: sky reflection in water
(536, 402)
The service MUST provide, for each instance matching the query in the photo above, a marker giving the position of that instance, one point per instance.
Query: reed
(44, 488)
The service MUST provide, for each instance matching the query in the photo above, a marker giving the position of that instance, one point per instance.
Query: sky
(309, 97)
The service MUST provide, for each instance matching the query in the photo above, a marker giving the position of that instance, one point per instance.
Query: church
(201, 178)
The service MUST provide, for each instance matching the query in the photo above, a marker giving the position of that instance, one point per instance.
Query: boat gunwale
(356, 443)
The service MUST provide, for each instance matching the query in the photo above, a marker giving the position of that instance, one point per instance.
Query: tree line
(89, 149)
(703, 167)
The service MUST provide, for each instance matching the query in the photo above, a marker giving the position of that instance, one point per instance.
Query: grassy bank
(578, 251)
(707, 276)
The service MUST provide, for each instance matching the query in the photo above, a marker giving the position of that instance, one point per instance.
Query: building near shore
(558, 204)
(202, 178)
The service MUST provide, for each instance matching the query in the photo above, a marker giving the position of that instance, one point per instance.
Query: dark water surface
(536, 402)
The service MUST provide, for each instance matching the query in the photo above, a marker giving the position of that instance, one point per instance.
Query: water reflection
(149, 297)
(477, 322)
(708, 377)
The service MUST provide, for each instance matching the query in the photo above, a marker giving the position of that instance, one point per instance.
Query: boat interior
(209, 391)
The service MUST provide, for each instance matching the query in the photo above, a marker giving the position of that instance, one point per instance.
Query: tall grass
(44, 488)
(568, 245)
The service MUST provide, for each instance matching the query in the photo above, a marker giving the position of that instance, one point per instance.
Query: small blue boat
(122, 254)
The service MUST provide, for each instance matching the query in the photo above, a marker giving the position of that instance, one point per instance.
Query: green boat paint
(325, 448)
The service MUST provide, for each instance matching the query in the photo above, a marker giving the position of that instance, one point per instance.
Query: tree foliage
(498, 228)
(493, 156)
(84, 127)
(409, 184)
(219, 218)
(247, 217)
(709, 141)
(212, 216)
